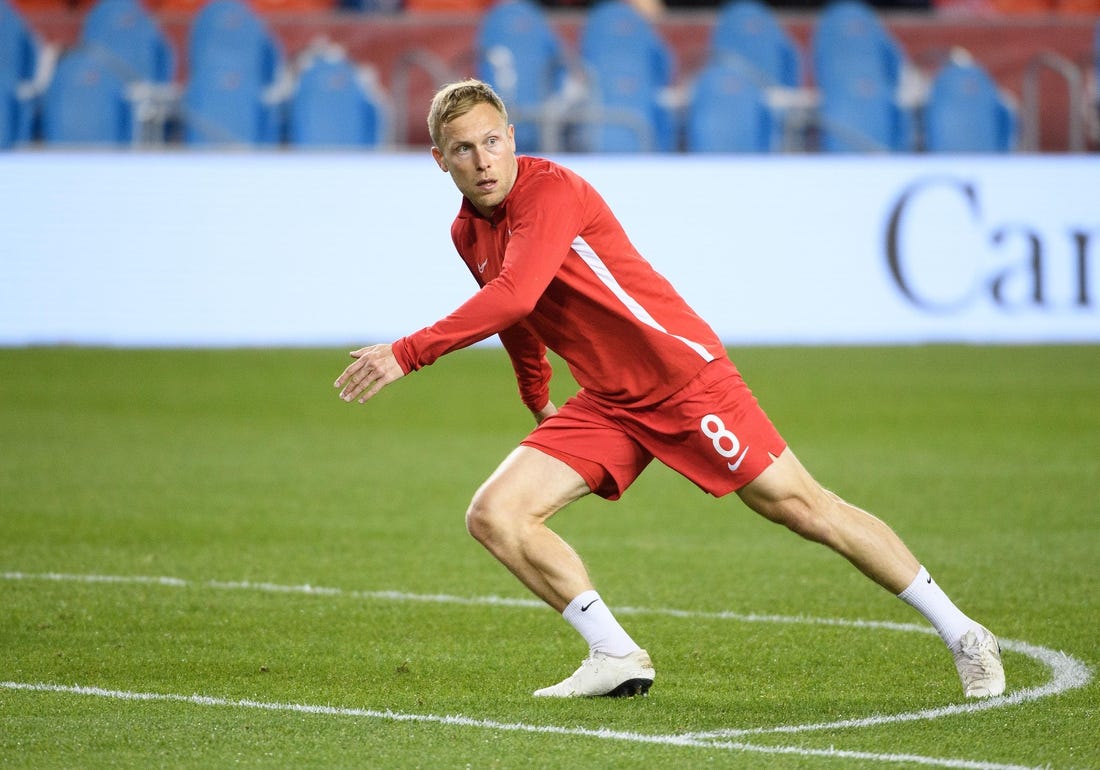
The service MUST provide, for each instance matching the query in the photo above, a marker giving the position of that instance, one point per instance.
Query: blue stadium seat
(333, 107)
(229, 31)
(522, 57)
(125, 31)
(232, 95)
(86, 103)
(850, 41)
(861, 114)
(965, 112)
(628, 67)
(728, 112)
(19, 57)
(748, 31)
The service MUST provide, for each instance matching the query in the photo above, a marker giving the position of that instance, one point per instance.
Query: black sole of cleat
(630, 688)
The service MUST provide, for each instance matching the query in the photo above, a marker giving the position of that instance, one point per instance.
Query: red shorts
(712, 431)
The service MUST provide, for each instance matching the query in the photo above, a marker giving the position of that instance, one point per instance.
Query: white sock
(593, 620)
(927, 598)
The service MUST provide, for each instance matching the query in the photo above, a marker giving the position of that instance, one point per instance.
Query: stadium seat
(748, 31)
(727, 112)
(132, 43)
(629, 69)
(86, 103)
(849, 41)
(336, 105)
(861, 114)
(965, 112)
(520, 54)
(126, 32)
(19, 63)
(238, 84)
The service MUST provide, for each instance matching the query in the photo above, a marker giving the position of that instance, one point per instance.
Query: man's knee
(786, 494)
(809, 511)
(482, 517)
(805, 517)
(494, 516)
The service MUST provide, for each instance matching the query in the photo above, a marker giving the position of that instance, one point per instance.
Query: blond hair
(455, 100)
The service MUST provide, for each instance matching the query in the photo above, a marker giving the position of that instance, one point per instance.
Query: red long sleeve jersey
(557, 271)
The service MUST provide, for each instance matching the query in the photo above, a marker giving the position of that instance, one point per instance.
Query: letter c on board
(894, 257)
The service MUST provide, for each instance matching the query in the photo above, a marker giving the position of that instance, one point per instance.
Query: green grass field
(162, 514)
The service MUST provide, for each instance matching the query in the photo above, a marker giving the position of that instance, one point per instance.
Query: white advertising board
(216, 249)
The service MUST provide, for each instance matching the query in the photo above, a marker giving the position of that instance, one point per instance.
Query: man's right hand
(374, 368)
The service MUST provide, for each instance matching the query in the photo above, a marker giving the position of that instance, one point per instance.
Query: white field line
(1067, 673)
(485, 724)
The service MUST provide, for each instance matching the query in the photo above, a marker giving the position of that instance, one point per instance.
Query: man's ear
(439, 160)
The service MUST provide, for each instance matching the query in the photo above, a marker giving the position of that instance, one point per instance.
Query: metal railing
(1031, 101)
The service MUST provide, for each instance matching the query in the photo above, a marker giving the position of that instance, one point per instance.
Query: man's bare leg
(508, 516)
(786, 494)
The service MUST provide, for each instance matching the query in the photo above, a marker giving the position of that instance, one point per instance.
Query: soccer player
(557, 271)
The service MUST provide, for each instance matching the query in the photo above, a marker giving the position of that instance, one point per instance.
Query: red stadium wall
(1005, 46)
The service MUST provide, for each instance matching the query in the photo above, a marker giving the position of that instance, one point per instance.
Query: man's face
(479, 152)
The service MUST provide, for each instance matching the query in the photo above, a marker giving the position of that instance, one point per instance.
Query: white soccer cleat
(605, 675)
(978, 661)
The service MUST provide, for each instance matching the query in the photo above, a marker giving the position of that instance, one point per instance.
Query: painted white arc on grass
(461, 721)
(1066, 673)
